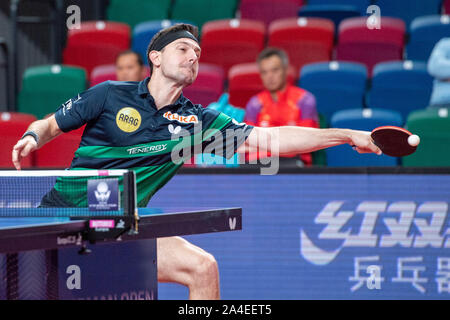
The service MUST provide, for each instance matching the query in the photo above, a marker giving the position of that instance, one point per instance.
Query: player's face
(179, 61)
(128, 68)
(273, 73)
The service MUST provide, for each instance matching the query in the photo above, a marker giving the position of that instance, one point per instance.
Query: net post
(129, 197)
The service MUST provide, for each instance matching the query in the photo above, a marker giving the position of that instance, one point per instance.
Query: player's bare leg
(182, 262)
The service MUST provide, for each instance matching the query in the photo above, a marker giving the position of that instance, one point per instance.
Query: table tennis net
(67, 193)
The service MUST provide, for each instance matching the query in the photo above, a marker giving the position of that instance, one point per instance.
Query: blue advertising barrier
(324, 236)
(304, 236)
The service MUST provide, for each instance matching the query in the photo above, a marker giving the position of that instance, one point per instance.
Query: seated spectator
(130, 66)
(281, 104)
(439, 68)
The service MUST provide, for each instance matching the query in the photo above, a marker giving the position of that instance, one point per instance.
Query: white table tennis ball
(413, 140)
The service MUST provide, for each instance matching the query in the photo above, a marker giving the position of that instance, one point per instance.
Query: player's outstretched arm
(293, 140)
(45, 130)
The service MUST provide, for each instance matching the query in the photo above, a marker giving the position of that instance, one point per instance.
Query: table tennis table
(40, 257)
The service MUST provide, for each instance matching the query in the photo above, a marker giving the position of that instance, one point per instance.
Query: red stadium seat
(107, 72)
(269, 10)
(58, 153)
(305, 40)
(12, 127)
(96, 43)
(230, 42)
(245, 82)
(358, 43)
(208, 86)
(103, 73)
(446, 5)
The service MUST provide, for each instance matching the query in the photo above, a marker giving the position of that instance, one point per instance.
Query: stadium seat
(269, 10)
(96, 43)
(407, 10)
(402, 86)
(58, 153)
(357, 119)
(446, 6)
(45, 88)
(358, 43)
(360, 5)
(244, 81)
(201, 11)
(335, 13)
(229, 42)
(144, 32)
(336, 85)
(12, 127)
(133, 12)
(305, 40)
(107, 72)
(425, 32)
(208, 86)
(432, 125)
(103, 73)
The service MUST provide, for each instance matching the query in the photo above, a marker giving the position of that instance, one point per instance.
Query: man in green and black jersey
(134, 125)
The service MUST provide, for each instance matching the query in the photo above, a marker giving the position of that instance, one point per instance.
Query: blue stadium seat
(336, 85)
(402, 86)
(425, 32)
(336, 13)
(408, 9)
(365, 119)
(144, 32)
(360, 5)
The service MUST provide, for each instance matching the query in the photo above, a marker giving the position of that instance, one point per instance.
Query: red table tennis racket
(395, 141)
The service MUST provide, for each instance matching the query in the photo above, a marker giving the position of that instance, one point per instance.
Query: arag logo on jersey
(181, 119)
(128, 119)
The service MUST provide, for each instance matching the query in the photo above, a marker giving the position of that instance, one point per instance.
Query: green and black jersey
(124, 130)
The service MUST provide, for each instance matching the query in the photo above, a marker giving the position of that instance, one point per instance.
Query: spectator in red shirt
(281, 103)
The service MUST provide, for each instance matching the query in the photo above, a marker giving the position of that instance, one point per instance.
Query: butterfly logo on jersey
(174, 130)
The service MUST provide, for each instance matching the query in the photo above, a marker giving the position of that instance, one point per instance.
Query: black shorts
(52, 199)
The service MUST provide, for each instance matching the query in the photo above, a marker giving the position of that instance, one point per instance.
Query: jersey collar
(143, 92)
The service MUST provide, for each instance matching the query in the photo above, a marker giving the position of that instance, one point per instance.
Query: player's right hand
(22, 149)
(362, 142)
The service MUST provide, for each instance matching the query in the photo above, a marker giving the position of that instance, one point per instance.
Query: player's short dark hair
(270, 51)
(126, 52)
(175, 28)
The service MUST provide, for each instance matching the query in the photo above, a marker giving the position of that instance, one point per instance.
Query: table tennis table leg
(31, 275)
(52, 283)
(12, 276)
(116, 271)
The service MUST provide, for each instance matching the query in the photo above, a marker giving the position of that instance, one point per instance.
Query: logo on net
(102, 193)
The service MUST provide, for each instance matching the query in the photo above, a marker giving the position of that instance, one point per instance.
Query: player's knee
(207, 268)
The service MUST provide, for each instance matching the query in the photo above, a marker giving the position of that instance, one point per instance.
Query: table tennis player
(129, 125)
